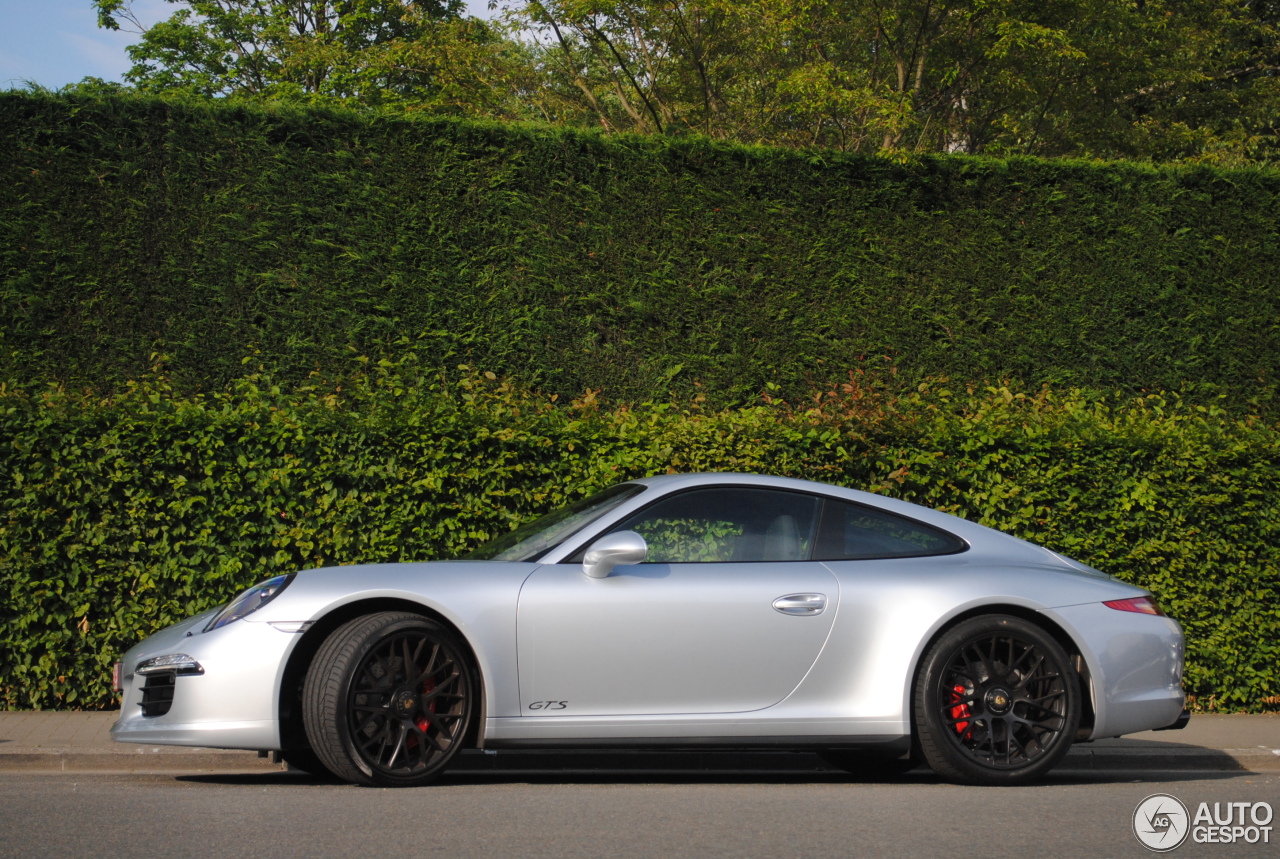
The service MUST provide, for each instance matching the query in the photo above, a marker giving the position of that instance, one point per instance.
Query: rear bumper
(1181, 722)
(1135, 665)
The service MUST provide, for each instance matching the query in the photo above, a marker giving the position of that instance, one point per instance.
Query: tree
(855, 74)
(1168, 80)
(368, 51)
(1163, 79)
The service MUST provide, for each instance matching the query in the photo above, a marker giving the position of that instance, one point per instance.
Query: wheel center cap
(404, 702)
(998, 700)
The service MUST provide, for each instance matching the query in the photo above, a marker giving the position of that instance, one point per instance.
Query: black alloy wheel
(997, 702)
(388, 700)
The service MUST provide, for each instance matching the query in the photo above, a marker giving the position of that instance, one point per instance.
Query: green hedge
(119, 516)
(640, 266)
(1177, 499)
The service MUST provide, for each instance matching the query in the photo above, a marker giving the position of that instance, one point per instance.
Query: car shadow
(666, 777)
(759, 768)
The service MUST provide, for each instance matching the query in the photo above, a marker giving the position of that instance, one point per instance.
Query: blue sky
(57, 42)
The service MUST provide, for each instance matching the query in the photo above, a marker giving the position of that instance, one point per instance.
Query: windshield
(532, 540)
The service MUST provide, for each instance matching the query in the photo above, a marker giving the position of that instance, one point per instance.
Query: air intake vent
(157, 693)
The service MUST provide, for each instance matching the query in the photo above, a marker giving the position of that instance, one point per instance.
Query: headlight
(178, 663)
(249, 601)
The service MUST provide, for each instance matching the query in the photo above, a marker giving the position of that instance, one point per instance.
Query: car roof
(671, 482)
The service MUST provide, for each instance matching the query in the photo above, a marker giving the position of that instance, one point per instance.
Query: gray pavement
(619, 815)
(80, 741)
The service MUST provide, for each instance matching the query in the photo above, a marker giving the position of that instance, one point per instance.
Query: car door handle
(807, 604)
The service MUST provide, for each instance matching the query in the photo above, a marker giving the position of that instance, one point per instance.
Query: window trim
(576, 555)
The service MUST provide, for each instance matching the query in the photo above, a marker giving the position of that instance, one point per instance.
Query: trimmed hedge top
(643, 267)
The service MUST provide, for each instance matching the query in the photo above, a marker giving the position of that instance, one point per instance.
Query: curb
(75, 761)
(1182, 759)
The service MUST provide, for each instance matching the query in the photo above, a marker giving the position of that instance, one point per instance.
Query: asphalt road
(610, 814)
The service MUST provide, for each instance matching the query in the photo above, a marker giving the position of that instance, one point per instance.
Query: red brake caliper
(428, 686)
(960, 711)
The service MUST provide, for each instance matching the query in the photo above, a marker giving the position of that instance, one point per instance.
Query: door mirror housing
(623, 547)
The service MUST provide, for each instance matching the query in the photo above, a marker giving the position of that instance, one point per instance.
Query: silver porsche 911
(686, 611)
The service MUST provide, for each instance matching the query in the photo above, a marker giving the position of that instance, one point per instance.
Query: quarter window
(851, 532)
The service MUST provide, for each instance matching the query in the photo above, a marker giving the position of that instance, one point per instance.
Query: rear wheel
(996, 702)
(388, 699)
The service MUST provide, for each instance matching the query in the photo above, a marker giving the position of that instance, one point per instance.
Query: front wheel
(997, 702)
(388, 700)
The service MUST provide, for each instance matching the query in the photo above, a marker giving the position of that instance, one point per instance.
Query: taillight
(1141, 605)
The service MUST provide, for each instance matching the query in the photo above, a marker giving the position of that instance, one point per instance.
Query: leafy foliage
(122, 515)
(389, 54)
(1164, 80)
(640, 267)
(1181, 500)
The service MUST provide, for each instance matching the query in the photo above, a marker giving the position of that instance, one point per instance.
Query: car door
(726, 615)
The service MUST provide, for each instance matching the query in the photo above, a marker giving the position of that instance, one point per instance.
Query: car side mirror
(623, 547)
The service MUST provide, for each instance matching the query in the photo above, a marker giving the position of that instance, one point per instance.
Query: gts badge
(549, 705)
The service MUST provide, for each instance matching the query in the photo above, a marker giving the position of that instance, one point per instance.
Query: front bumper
(232, 705)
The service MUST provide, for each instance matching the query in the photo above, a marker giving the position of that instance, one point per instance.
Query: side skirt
(878, 743)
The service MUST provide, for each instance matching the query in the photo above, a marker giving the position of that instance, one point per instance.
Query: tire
(388, 699)
(868, 765)
(997, 702)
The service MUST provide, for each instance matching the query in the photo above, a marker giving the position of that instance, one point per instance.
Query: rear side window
(850, 532)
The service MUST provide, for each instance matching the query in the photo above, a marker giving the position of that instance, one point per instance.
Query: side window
(727, 524)
(851, 532)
